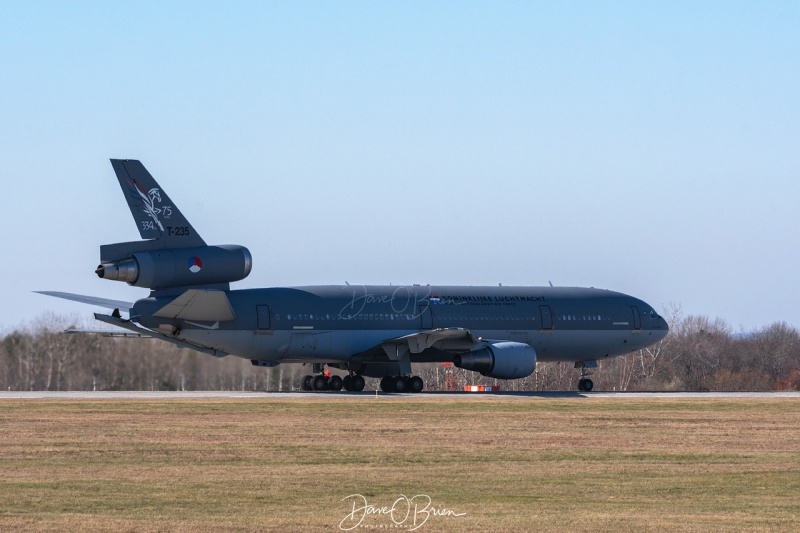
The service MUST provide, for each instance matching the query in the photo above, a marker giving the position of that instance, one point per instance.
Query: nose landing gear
(585, 384)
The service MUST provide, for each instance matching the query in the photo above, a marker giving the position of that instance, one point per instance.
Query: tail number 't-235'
(178, 232)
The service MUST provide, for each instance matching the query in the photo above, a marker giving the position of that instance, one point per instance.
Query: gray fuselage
(347, 323)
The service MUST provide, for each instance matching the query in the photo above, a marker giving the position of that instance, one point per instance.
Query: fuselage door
(262, 312)
(637, 318)
(426, 321)
(547, 316)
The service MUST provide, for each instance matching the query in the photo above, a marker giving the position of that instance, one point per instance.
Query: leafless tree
(699, 353)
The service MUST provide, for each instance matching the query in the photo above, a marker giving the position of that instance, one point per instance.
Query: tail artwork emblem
(149, 203)
(195, 264)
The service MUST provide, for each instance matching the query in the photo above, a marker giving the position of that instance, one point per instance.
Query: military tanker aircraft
(364, 330)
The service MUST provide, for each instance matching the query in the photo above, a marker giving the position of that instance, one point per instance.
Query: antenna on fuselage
(551, 283)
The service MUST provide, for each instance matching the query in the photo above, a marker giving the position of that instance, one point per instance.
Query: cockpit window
(653, 314)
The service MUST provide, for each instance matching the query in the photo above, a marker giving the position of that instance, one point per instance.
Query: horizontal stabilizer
(92, 300)
(109, 333)
(127, 324)
(197, 304)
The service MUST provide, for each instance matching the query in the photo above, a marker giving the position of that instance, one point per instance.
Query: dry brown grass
(510, 463)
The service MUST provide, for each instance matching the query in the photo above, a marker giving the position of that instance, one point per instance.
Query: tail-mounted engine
(175, 267)
(504, 360)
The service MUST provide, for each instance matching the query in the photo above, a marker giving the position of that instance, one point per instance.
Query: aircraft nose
(662, 327)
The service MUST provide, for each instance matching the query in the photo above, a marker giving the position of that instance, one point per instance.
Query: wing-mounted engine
(504, 360)
(164, 268)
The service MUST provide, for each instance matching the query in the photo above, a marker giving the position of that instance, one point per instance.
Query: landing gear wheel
(348, 383)
(307, 383)
(386, 384)
(416, 384)
(320, 382)
(335, 383)
(357, 383)
(585, 385)
(399, 384)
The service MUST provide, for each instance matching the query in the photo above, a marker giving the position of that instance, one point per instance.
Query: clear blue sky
(647, 147)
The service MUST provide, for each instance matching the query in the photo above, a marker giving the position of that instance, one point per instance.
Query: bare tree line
(698, 354)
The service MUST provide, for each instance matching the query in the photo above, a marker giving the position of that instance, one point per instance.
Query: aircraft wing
(410, 347)
(457, 339)
(92, 300)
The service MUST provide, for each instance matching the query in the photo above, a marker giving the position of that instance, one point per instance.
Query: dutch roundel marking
(195, 264)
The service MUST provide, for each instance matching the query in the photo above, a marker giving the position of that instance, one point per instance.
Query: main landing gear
(402, 384)
(323, 382)
(354, 383)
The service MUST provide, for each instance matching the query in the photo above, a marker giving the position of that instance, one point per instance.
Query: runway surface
(171, 395)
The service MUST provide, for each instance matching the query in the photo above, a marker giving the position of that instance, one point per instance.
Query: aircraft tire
(399, 384)
(416, 384)
(588, 385)
(386, 384)
(307, 383)
(320, 382)
(347, 382)
(335, 383)
(358, 383)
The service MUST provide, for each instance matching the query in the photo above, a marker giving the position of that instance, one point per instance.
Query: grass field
(508, 463)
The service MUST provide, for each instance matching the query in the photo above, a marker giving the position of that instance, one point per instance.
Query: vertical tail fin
(154, 213)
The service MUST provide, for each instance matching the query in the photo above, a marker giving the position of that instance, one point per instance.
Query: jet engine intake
(178, 267)
(503, 360)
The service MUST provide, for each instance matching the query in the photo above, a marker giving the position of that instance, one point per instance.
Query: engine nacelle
(178, 267)
(504, 360)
